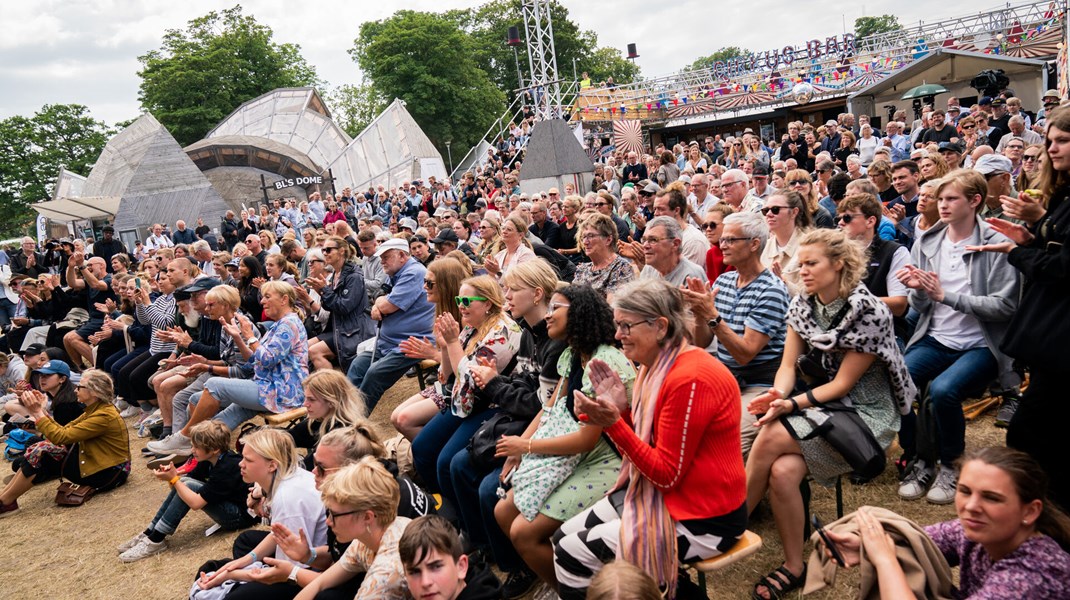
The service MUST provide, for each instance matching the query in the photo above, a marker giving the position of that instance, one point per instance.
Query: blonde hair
(363, 486)
(969, 182)
(345, 400)
(277, 446)
(486, 286)
(620, 580)
(281, 288)
(840, 248)
(355, 442)
(99, 384)
(227, 294)
(534, 274)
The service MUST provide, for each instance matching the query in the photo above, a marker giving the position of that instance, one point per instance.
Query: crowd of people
(624, 373)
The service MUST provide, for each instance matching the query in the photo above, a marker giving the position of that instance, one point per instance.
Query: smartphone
(835, 551)
(137, 283)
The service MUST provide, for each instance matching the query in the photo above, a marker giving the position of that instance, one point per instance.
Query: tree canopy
(34, 148)
(218, 62)
(867, 26)
(427, 61)
(723, 54)
(354, 107)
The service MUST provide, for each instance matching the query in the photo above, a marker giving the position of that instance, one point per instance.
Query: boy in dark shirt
(430, 551)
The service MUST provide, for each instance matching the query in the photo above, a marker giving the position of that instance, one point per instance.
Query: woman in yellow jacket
(93, 449)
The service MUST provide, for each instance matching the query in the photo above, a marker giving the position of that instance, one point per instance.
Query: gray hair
(314, 253)
(751, 224)
(737, 175)
(672, 227)
(199, 246)
(1017, 120)
(655, 298)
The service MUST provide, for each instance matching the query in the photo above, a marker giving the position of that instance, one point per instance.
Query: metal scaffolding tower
(545, 86)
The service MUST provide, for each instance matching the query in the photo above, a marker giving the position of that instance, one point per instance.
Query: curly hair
(590, 319)
(839, 248)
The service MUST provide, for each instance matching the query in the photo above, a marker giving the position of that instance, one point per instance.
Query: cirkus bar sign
(771, 59)
(304, 181)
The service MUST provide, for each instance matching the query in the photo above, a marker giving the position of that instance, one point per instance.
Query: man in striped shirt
(746, 313)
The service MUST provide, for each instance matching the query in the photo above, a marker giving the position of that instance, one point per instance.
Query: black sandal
(782, 577)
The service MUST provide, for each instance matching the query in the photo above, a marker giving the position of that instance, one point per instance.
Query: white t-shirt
(694, 245)
(297, 505)
(954, 329)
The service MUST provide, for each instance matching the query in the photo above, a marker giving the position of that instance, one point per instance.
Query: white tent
(390, 150)
(79, 208)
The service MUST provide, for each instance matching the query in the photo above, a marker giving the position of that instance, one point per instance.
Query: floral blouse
(384, 575)
(500, 344)
(281, 364)
(606, 280)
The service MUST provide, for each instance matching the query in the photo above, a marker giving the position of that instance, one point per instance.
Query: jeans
(180, 403)
(229, 516)
(122, 361)
(375, 374)
(438, 442)
(952, 376)
(7, 311)
(477, 495)
(232, 414)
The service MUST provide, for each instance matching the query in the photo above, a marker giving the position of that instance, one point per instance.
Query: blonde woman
(270, 461)
(333, 402)
(516, 248)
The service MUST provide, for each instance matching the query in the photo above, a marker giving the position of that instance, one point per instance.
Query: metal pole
(519, 78)
(450, 153)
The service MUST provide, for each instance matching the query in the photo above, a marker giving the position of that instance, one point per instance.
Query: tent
(554, 157)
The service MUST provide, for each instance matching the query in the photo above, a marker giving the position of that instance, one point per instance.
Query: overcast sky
(85, 51)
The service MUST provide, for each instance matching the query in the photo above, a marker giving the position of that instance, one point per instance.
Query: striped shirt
(161, 315)
(762, 306)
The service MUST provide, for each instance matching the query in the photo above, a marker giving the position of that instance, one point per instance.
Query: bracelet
(810, 397)
(174, 480)
(253, 554)
(794, 404)
(529, 445)
(312, 559)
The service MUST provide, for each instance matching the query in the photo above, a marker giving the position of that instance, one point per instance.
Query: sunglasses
(1031, 157)
(709, 226)
(773, 209)
(429, 284)
(798, 183)
(467, 301)
(329, 249)
(847, 217)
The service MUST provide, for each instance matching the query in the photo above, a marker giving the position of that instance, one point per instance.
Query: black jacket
(518, 393)
(480, 584)
(350, 323)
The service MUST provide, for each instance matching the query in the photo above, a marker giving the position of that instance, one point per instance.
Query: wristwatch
(293, 574)
(250, 341)
(714, 322)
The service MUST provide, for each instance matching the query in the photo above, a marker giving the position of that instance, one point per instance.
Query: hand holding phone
(833, 549)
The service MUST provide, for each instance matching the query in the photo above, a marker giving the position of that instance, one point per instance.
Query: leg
(968, 375)
(165, 394)
(206, 408)
(925, 360)
(320, 355)
(457, 442)
(505, 512)
(747, 431)
(1038, 429)
(431, 442)
(583, 544)
(173, 509)
(19, 485)
(239, 400)
(124, 383)
(411, 415)
(79, 350)
(138, 383)
(375, 377)
(773, 442)
(532, 541)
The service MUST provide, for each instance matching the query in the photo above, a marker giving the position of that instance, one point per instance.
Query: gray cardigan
(994, 284)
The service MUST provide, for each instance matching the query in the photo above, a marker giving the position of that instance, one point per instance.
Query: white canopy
(79, 209)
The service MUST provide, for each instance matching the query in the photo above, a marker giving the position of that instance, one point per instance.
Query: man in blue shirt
(403, 313)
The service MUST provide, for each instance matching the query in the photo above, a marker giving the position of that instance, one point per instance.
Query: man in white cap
(1050, 100)
(404, 312)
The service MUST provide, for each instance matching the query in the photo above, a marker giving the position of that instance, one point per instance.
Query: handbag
(839, 424)
(482, 446)
(73, 494)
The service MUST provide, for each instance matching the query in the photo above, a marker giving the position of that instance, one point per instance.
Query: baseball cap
(651, 188)
(985, 100)
(34, 349)
(200, 285)
(481, 203)
(685, 178)
(993, 163)
(408, 223)
(392, 244)
(952, 146)
(445, 235)
(760, 170)
(234, 262)
(55, 367)
(998, 101)
(831, 123)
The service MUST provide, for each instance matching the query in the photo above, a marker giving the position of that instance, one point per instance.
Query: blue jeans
(952, 376)
(438, 442)
(235, 403)
(121, 361)
(7, 311)
(230, 516)
(375, 374)
(477, 495)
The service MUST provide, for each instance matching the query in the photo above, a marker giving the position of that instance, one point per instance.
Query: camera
(990, 82)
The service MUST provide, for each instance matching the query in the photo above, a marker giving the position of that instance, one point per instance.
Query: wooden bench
(426, 372)
(747, 545)
(285, 419)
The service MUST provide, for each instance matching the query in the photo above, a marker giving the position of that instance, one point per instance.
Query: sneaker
(172, 444)
(130, 543)
(170, 459)
(519, 584)
(121, 404)
(6, 510)
(187, 466)
(143, 549)
(1006, 410)
(943, 489)
(916, 481)
(130, 411)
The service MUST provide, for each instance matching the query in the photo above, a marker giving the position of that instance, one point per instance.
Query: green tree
(34, 148)
(203, 73)
(724, 54)
(426, 60)
(867, 26)
(353, 107)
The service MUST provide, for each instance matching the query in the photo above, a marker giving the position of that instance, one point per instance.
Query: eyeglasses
(626, 328)
(333, 516)
(710, 226)
(587, 237)
(848, 217)
(725, 241)
(649, 239)
(797, 182)
(429, 284)
(316, 260)
(324, 470)
(81, 386)
(1030, 157)
(556, 305)
(1015, 147)
(774, 209)
(725, 184)
(467, 301)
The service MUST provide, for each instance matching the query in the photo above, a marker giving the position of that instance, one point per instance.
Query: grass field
(69, 553)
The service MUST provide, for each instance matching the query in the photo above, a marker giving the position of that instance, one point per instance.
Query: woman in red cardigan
(682, 491)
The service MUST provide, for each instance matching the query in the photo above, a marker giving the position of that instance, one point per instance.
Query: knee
(70, 337)
(787, 474)
(943, 392)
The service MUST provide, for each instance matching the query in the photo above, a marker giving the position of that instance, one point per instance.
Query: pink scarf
(647, 531)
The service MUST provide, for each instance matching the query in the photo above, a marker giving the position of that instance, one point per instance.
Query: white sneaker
(916, 481)
(176, 443)
(130, 411)
(121, 404)
(144, 549)
(945, 486)
(130, 543)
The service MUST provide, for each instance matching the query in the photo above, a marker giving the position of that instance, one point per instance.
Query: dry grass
(61, 554)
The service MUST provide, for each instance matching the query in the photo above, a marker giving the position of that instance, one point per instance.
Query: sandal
(780, 577)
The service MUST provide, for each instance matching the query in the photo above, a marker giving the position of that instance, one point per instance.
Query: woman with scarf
(682, 484)
(862, 366)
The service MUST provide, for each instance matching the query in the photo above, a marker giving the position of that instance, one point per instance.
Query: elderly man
(662, 245)
(635, 170)
(543, 227)
(157, 240)
(201, 254)
(182, 235)
(1018, 130)
(1014, 150)
(29, 262)
(403, 313)
(700, 200)
(90, 275)
(746, 313)
(671, 202)
(898, 143)
(735, 190)
(252, 242)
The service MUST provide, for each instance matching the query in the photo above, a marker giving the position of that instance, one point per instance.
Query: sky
(85, 51)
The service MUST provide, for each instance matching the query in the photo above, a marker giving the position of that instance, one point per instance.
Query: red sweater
(696, 460)
(715, 266)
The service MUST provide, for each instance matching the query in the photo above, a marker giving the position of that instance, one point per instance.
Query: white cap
(392, 244)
